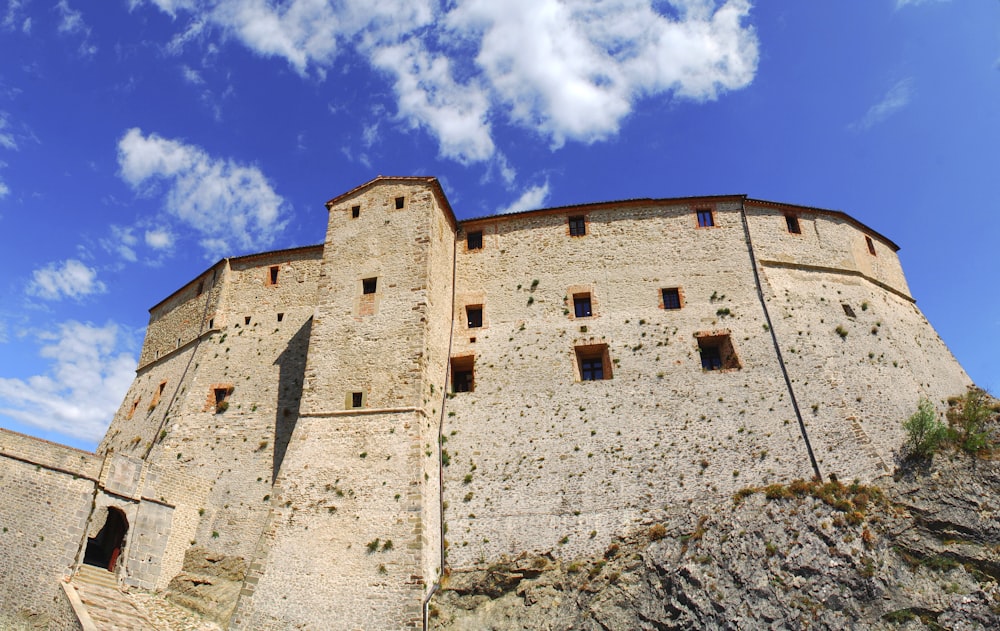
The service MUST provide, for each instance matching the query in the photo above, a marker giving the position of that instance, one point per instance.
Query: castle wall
(183, 316)
(537, 458)
(46, 491)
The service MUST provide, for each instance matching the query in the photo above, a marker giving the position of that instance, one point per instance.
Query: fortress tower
(333, 425)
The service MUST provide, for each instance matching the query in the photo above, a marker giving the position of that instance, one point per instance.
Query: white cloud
(895, 99)
(15, 18)
(7, 140)
(159, 239)
(69, 279)
(532, 199)
(78, 396)
(903, 3)
(231, 206)
(72, 23)
(121, 242)
(569, 71)
(192, 76)
(4, 190)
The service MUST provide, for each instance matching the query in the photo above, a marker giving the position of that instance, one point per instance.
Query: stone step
(109, 608)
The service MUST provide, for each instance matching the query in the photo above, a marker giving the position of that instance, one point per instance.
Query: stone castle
(343, 422)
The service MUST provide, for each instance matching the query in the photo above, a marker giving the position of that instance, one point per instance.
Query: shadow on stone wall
(292, 367)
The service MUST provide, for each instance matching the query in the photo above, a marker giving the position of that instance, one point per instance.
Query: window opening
(135, 406)
(474, 240)
(201, 287)
(211, 323)
(582, 306)
(848, 310)
(221, 397)
(400, 202)
(594, 362)
(705, 219)
(871, 245)
(273, 275)
(357, 399)
(577, 226)
(246, 320)
(717, 352)
(792, 221)
(474, 314)
(672, 298)
(355, 212)
(281, 316)
(463, 374)
(369, 285)
(105, 548)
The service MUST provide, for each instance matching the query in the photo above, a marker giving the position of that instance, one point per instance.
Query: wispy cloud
(232, 207)
(71, 22)
(905, 3)
(7, 140)
(531, 199)
(90, 372)
(567, 71)
(15, 18)
(69, 279)
(898, 97)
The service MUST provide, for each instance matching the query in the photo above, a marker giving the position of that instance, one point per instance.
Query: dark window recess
(400, 202)
(871, 245)
(281, 316)
(475, 317)
(357, 399)
(848, 310)
(211, 323)
(369, 285)
(273, 275)
(577, 226)
(705, 219)
(221, 399)
(201, 287)
(355, 212)
(463, 374)
(581, 305)
(593, 362)
(474, 240)
(672, 298)
(792, 222)
(246, 320)
(717, 353)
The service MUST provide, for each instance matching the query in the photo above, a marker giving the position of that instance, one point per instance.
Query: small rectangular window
(400, 203)
(593, 362)
(792, 222)
(272, 276)
(369, 285)
(201, 287)
(672, 298)
(577, 226)
(848, 310)
(717, 352)
(357, 399)
(474, 240)
(871, 245)
(474, 315)
(463, 374)
(246, 320)
(355, 212)
(211, 323)
(281, 316)
(705, 219)
(220, 398)
(582, 306)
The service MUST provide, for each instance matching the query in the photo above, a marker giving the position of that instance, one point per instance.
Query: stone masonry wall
(46, 494)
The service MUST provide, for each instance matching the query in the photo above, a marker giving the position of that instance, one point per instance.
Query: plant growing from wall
(924, 432)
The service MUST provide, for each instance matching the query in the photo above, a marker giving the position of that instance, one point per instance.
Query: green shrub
(924, 432)
(969, 416)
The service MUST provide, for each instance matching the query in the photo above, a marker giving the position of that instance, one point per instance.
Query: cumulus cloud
(79, 394)
(159, 239)
(69, 279)
(231, 206)
(569, 71)
(532, 199)
(895, 99)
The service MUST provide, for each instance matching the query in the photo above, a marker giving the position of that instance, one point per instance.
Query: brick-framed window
(871, 245)
(706, 217)
(355, 400)
(400, 203)
(593, 362)
(792, 223)
(577, 225)
(717, 352)
(355, 212)
(272, 275)
(474, 240)
(133, 408)
(158, 394)
(218, 397)
(582, 305)
(463, 373)
(369, 285)
(474, 316)
(670, 298)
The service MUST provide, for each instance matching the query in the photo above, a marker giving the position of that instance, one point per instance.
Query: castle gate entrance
(104, 549)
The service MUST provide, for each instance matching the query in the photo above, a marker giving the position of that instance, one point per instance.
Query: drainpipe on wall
(774, 339)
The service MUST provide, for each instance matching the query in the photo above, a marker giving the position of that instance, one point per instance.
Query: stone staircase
(101, 606)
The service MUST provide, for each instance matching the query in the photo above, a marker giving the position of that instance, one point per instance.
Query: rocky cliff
(920, 549)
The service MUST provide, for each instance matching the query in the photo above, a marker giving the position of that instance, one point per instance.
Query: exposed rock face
(209, 585)
(924, 552)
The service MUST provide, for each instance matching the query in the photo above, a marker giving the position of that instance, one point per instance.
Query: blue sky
(142, 140)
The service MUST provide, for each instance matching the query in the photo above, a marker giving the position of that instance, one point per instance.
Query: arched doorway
(104, 549)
